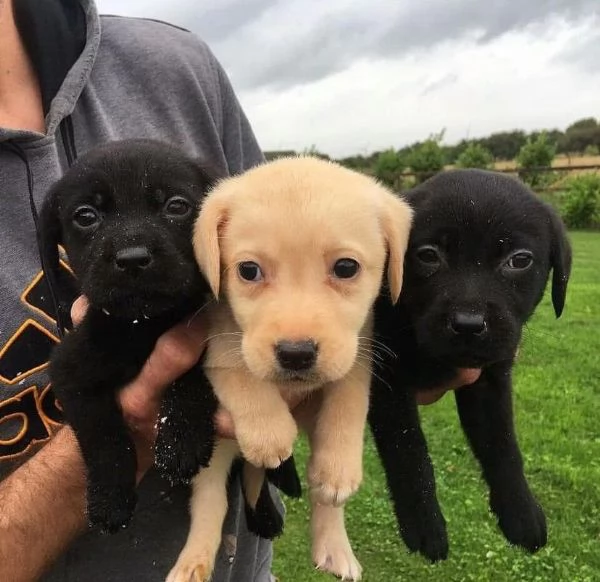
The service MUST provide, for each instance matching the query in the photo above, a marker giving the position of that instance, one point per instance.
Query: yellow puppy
(295, 250)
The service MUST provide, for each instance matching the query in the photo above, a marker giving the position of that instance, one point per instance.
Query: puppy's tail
(262, 515)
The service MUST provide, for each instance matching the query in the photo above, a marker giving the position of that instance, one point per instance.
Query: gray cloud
(279, 44)
(434, 86)
(214, 23)
(280, 53)
(219, 22)
(584, 54)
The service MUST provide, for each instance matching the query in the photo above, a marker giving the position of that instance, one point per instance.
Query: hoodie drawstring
(68, 139)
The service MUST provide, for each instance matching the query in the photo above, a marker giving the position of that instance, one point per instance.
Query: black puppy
(124, 213)
(480, 254)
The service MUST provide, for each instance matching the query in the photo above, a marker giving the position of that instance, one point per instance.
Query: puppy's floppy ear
(560, 260)
(211, 219)
(49, 232)
(49, 236)
(396, 218)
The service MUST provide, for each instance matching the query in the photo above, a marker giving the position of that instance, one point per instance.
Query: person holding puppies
(69, 80)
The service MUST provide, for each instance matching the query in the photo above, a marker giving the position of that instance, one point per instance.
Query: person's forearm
(42, 509)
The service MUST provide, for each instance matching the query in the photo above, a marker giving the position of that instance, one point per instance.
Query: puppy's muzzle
(464, 323)
(133, 259)
(296, 356)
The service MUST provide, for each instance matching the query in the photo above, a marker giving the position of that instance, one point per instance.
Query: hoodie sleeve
(239, 142)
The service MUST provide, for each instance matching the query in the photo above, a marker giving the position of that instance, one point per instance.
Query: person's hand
(175, 352)
(464, 377)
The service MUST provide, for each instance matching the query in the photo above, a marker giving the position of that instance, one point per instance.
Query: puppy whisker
(370, 356)
(224, 333)
(232, 357)
(375, 342)
(199, 311)
(373, 373)
(379, 366)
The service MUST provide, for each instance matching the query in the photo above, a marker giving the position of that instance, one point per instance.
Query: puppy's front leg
(401, 445)
(208, 507)
(331, 549)
(264, 426)
(109, 455)
(335, 467)
(186, 433)
(486, 415)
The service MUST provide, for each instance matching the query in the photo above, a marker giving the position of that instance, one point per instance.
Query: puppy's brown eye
(250, 271)
(520, 260)
(177, 206)
(86, 217)
(428, 254)
(345, 268)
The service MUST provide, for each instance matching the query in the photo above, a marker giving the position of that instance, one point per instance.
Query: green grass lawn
(557, 402)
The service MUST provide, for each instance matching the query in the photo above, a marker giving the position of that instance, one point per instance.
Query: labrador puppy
(124, 213)
(480, 254)
(295, 251)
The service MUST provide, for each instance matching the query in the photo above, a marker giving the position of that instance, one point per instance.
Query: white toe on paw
(336, 557)
(191, 569)
(331, 483)
(268, 444)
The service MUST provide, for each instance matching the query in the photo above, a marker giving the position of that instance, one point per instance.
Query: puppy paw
(521, 519)
(334, 554)
(267, 442)
(180, 452)
(110, 510)
(193, 567)
(425, 532)
(332, 481)
(286, 478)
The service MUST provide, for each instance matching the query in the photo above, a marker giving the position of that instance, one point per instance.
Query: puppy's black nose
(296, 355)
(133, 258)
(467, 323)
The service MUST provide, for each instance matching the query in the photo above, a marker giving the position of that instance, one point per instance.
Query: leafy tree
(475, 156)
(427, 158)
(504, 145)
(585, 123)
(577, 140)
(580, 206)
(388, 166)
(579, 136)
(312, 151)
(537, 152)
(359, 163)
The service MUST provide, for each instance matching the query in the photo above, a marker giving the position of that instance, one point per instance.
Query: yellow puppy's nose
(296, 355)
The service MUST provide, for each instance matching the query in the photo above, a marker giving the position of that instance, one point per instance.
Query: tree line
(581, 137)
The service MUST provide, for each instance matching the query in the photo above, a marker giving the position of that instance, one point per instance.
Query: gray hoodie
(106, 78)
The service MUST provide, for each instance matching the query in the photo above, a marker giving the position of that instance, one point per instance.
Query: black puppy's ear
(49, 233)
(49, 236)
(208, 176)
(560, 260)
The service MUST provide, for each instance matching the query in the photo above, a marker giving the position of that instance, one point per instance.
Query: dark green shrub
(388, 167)
(580, 204)
(427, 158)
(475, 156)
(537, 152)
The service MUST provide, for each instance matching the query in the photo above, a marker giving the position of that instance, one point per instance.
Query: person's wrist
(60, 462)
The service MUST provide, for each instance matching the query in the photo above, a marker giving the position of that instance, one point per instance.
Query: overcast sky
(355, 76)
